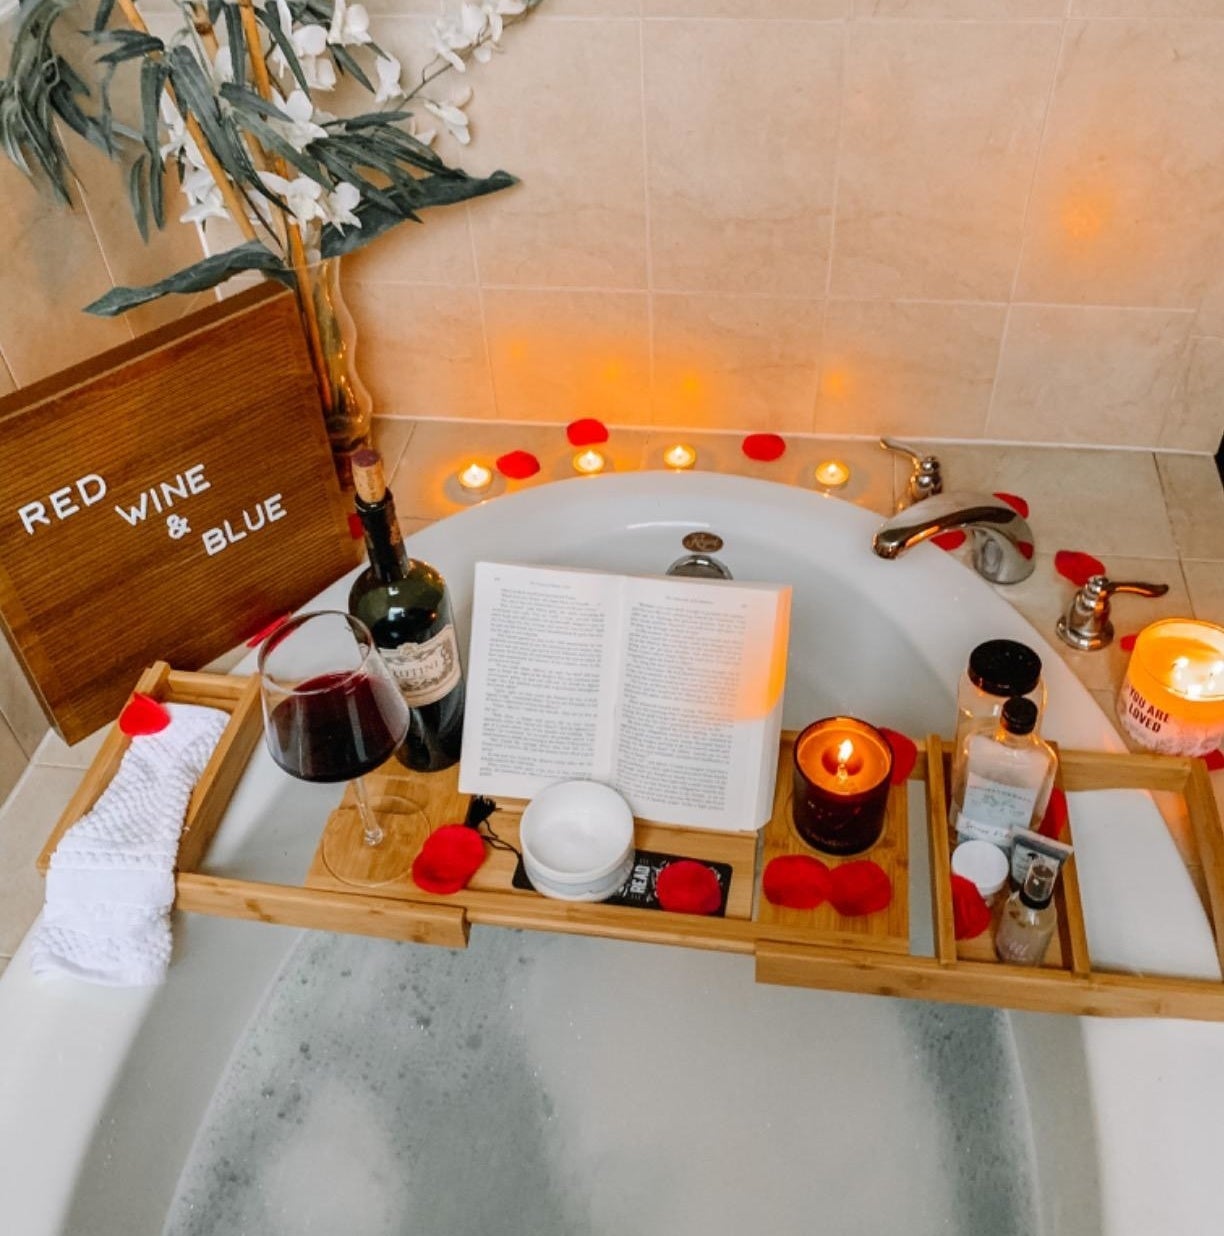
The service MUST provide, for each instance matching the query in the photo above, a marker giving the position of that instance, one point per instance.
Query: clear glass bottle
(998, 670)
(1008, 775)
(1028, 918)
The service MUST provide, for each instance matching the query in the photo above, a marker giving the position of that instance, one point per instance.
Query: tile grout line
(1024, 219)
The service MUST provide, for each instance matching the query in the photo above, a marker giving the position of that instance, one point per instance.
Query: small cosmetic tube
(1028, 845)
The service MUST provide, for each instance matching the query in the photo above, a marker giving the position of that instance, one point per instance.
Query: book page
(544, 646)
(700, 708)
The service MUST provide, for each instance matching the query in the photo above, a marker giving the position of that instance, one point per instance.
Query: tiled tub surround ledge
(1152, 517)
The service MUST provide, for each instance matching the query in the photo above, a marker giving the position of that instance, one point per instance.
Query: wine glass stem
(371, 833)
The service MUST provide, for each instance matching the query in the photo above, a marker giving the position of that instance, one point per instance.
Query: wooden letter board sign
(164, 501)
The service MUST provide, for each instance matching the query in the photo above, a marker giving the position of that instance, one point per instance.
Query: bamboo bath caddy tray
(810, 948)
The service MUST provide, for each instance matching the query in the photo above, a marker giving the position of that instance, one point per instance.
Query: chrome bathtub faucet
(1086, 623)
(925, 478)
(1001, 538)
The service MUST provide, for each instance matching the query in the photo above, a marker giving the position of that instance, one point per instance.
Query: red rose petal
(1054, 822)
(518, 465)
(970, 914)
(143, 715)
(764, 447)
(1127, 642)
(449, 858)
(1016, 503)
(905, 754)
(861, 887)
(688, 887)
(796, 880)
(1026, 549)
(586, 432)
(355, 526)
(1078, 567)
(1214, 760)
(950, 540)
(263, 632)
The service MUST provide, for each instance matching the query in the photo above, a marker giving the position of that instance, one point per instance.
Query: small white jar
(577, 841)
(984, 865)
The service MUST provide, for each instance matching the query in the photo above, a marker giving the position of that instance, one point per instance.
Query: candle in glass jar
(841, 777)
(1172, 699)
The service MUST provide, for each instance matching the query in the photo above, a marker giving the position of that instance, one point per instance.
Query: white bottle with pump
(1009, 773)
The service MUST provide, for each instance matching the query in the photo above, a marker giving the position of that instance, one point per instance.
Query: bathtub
(283, 1081)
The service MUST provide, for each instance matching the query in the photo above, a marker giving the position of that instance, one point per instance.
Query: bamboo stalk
(233, 201)
(297, 251)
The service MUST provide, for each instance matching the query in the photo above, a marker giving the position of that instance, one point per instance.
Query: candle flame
(475, 476)
(588, 462)
(845, 751)
(832, 473)
(680, 456)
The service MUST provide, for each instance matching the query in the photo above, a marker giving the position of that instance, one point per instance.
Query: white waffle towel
(111, 881)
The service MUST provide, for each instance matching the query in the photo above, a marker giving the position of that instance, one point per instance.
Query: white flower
(203, 197)
(301, 130)
(424, 136)
(180, 141)
(310, 48)
(452, 115)
(223, 65)
(341, 204)
(447, 42)
(350, 23)
(494, 12)
(299, 196)
(388, 69)
(473, 19)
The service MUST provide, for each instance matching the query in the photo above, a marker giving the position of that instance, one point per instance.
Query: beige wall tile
(735, 362)
(13, 760)
(7, 385)
(421, 349)
(439, 250)
(1206, 583)
(1147, 8)
(52, 268)
(18, 704)
(26, 822)
(937, 156)
(391, 437)
(806, 10)
(1196, 421)
(1195, 500)
(563, 112)
(912, 368)
(559, 355)
(741, 136)
(977, 10)
(1132, 168)
(1075, 374)
(1107, 503)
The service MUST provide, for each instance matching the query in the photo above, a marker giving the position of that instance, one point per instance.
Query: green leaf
(347, 64)
(428, 191)
(196, 278)
(246, 98)
(271, 19)
(152, 80)
(103, 15)
(237, 46)
(132, 43)
(157, 192)
(275, 143)
(138, 194)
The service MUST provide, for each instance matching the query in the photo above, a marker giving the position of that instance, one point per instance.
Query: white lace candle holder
(1172, 699)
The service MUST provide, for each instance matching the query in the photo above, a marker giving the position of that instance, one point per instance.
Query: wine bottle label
(428, 671)
(992, 811)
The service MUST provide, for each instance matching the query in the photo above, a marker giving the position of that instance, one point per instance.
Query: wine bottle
(406, 605)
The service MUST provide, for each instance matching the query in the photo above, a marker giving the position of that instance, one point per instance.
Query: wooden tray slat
(809, 948)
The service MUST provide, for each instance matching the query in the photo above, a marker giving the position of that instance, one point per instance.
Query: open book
(669, 689)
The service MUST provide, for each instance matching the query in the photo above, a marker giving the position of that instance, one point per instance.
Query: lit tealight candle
(475, 478)
(832, 473)
(588, 462)
(841, 778)
(680, 457)
(1173, 697)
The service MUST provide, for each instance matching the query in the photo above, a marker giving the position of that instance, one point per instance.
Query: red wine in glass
(336, 727)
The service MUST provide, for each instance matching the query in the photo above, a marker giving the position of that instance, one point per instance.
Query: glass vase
(331, 335)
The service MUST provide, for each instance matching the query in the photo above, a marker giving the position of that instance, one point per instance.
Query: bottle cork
(368, 476)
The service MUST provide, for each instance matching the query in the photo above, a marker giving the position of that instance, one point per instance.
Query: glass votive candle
(1172, 699)
(475, 478)
(680, 457)
(589, 462)
(831, 474)
(841, 778)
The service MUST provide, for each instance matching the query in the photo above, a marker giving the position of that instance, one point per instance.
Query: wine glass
(332, 712)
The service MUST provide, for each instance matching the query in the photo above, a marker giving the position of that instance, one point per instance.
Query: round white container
(983, 865)
(577, 841)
